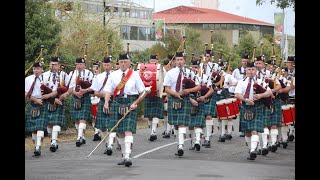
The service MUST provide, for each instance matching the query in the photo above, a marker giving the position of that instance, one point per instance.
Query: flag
(159, 23)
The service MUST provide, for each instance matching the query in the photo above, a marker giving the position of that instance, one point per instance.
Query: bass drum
(152, 75)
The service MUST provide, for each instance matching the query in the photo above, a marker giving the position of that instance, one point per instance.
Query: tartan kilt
(153, 107)
(179, 117)
(102, 121)
(276, 116)
(57, 117)
(38, 123)
(198, 119)
(84, 113)
(210, 107)
(257, 123)
(129, 123)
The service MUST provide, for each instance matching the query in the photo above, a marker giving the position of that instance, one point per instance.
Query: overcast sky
(245, 8)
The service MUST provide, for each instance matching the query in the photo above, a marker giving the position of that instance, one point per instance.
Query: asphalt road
(156, 160)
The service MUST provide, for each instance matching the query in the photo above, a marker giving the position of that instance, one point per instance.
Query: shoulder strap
(123, 82)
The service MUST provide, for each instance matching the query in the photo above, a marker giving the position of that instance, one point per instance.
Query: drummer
(153, 107)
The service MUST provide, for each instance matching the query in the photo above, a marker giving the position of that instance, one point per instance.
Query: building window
(211, 26)
(223, 26)
(125, 32)
(236, 26)
(229, 26)
(205, 26)
(142, 33)
(152, 34)
(217, 26)
(126, 12)
(134, 33)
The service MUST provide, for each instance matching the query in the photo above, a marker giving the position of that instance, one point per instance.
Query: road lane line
(156, 149)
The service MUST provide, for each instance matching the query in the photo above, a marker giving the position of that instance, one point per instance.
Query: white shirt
(97, 82)
(210, 65)
(133, 86)
(293, 91)
(65, 76)
(172, 77)
(28, 83)
(85, 75)
(265, 73)
(239, 75)
(48, 80)
(242, 86)
(228, 80)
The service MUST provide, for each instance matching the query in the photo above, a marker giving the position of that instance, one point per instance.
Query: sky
(245, 8)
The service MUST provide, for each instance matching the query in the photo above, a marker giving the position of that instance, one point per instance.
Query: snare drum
(152, 75)
(227, 108)
(288, 114)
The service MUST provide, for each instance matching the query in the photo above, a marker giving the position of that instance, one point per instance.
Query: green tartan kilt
(179, 117)
(276, 116)
(129, 123)
(57, 117)
(153, 107)
(199, 118)
(257, 124)
(84, 113)
(210, 107)
(38, 123)
(102, 121)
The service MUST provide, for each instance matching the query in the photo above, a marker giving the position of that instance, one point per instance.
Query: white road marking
(156, 149)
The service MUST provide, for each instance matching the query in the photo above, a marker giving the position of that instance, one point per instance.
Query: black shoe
(179, 153)
(78, 143)
(96, 137)
(122, 162)
(259, 152)
(108, 151)
(172, 132)
(197, 146)
(222, 139)
(264, 151)
(166, 136)
(291, 137)
(252, 156)
(53, 147)
(153, 137)
(208, 145)
(278, 144)
(228, 136)
(37, 152)
(284, 145)
(274, 148)
(127, 162)
(83, 141)
(269, 148)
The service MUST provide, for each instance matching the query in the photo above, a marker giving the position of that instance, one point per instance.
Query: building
(133, 22)
(204, 20)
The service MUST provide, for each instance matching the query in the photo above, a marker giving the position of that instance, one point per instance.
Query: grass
(69, 135)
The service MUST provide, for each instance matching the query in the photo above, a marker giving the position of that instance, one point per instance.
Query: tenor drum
(152, 75)
(227, 108)
(288, 114)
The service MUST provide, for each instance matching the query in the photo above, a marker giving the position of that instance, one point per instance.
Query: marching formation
(196, 101)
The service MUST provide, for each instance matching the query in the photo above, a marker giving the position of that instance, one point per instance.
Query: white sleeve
(238, 88)
(167, 80)
(72, 80)
(94, 85)
(27, 84)
(139, 84)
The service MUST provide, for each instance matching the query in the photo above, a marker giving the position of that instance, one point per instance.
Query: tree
(41, 28)
(279, 3)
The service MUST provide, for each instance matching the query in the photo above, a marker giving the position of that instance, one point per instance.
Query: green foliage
(41, 28)
(279, 3)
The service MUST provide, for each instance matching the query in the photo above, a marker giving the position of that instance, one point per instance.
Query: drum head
(224, 101)
(288, 106)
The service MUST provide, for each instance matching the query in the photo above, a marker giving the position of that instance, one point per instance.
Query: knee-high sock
(284, 131)
(128, 140)
(279, 134)
(219, 125)
(155, 122)
(123, 147)
(229, 129)
(182, 131)
(49, 130)
(260, 141)
(34, 137)
(96, 130)
(264, 137)
(248, 141)
(165, 123)
(273, 134)
(192, 134)
(40, 135)
(223, 127)
(254, 142)
(55, 131)
(209, 124)
(198, 132)
(175, 132)
(82, 126)
(168, 128)
(291, 129)
(111, 139)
